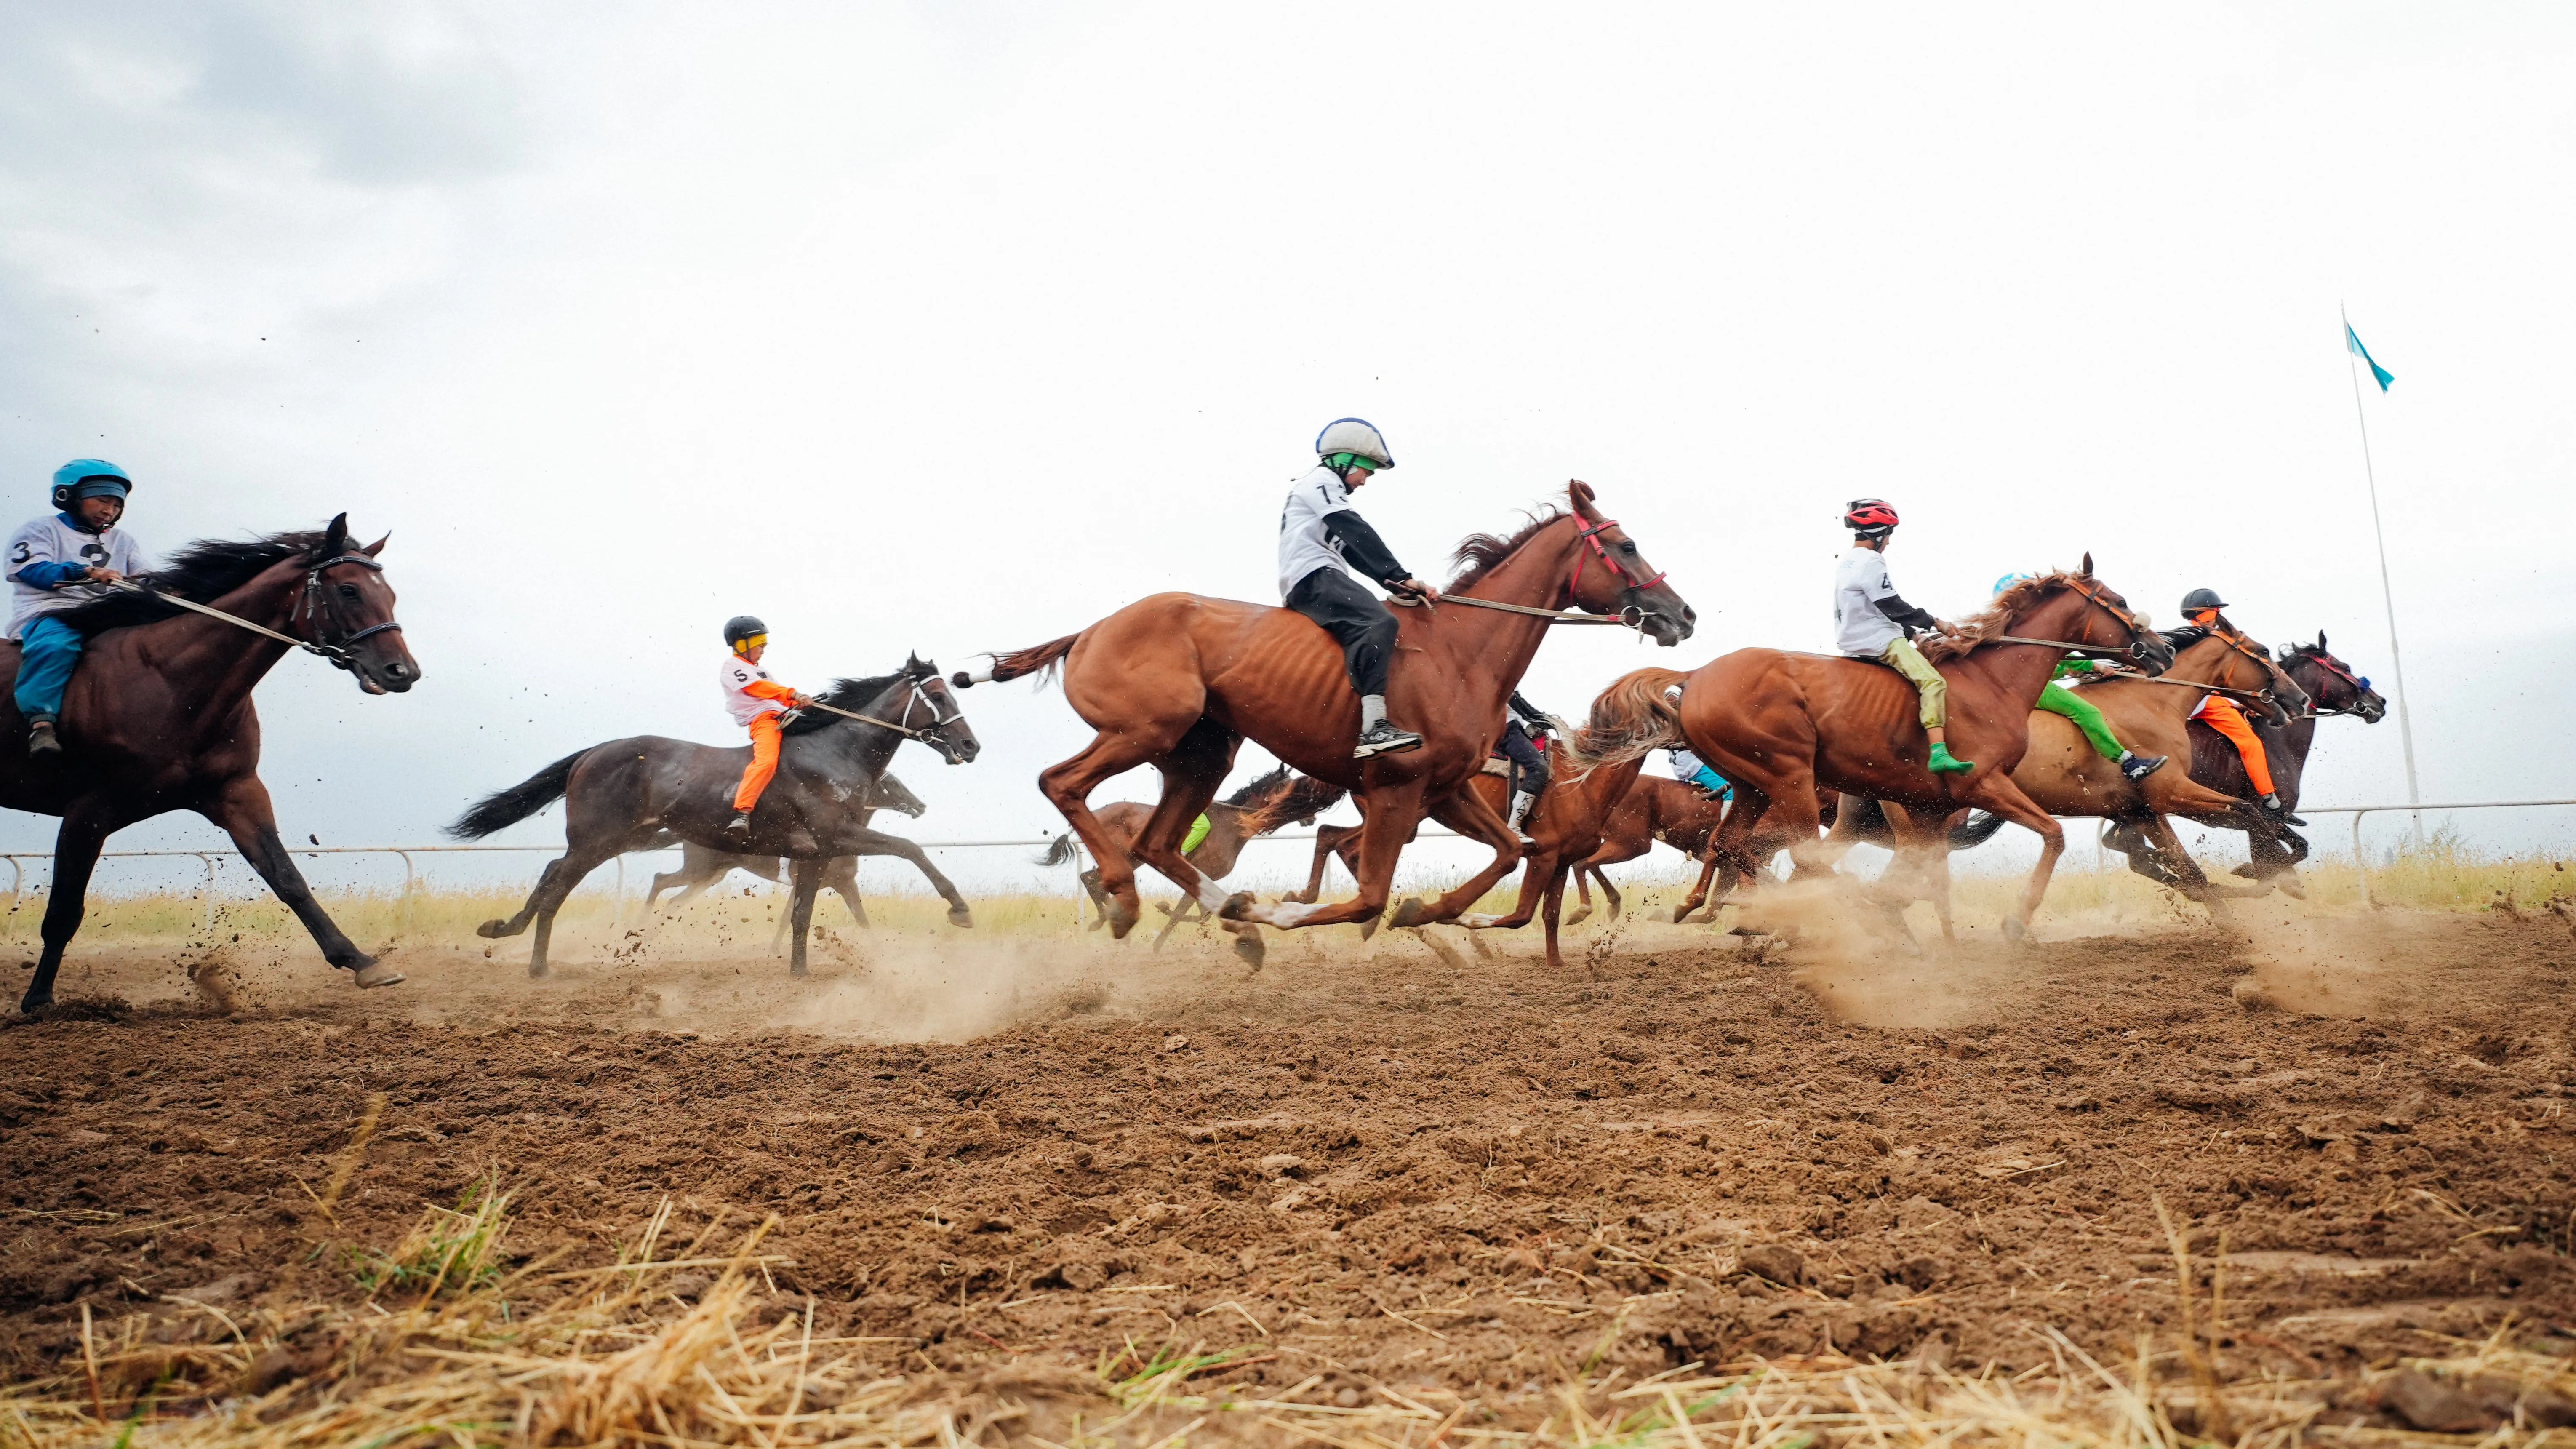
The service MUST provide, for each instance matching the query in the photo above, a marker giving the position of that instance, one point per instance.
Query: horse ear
(336, 537)
(371, 550)
(2087, 570)
(2321, 641)
(912, 663)
(1581, 493)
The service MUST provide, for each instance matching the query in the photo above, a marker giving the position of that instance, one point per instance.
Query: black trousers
(1529, 765)
(1359, 623)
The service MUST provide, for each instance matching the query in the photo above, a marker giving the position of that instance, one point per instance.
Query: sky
(952, 327)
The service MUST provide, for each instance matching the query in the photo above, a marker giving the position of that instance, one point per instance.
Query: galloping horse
(1177, 681)
(158, 716)
(622, 795)
(1263, 806)
(1779, 725)
(2332, 688)
(701, 866)
(1684, 817)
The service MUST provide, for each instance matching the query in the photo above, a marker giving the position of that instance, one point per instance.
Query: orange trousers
(764, 761)
(2224, 717)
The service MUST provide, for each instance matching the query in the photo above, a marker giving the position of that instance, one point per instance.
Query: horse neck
(867, 747)
(1490, 649)
(2202, 663)
(215, 665)
(2020, 671)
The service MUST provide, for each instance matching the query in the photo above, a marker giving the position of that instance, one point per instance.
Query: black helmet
(741, 627)
(2199, 599)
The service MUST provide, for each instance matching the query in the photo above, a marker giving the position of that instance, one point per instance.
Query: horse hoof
(2291, 886)
(30, 1005)
(1248, 946)
(492, 930)
(1581, 915)
(798, 972)
(1236, 904)
(961, 917)
(1368, 928)
(377, 973)
(537, 971)
(1410, 913)
(2014, 930)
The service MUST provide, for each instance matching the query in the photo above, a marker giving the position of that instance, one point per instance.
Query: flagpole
(2387, 597)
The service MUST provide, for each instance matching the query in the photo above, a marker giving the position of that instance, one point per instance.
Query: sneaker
(1945, 763)
(1383, 738)
(2273, 807)
(2139, 767)
(41, 740)
(741, 823)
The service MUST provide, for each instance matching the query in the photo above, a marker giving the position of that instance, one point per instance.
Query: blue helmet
(88, 478)
(2008, 580)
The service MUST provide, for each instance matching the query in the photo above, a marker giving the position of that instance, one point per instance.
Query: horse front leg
(877, 842)
(1468, 813)
(1390, 816)
(1192, 773)
(83, 833)
(843, 878)
(1996, 791)
(243, 812)
(806, 878)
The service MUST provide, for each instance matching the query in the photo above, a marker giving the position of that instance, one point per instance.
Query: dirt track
(1377, 1165)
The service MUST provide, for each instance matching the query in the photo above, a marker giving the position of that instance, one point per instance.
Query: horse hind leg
(1192, 772)
(1068, 786)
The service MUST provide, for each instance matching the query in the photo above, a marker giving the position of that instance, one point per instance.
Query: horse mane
(1291, 797)
(1261, 785)
(1634, 716)
(1994, 620)
(1480, 553)
(201, 573)
(847, 694)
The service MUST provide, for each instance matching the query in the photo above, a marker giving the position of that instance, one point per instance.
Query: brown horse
(2274, 850)
(1781, 725)
(158, 716)
(2064, 775)
(1629, 720)
(1267, 803)
(1682, 816)
(1177, 681)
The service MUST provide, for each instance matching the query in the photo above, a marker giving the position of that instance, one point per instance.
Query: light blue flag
(2352, 340)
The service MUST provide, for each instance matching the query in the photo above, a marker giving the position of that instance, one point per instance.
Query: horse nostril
(398, 671)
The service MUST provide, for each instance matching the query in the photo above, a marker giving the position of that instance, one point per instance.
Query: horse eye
(1628, 545)
(348, 591)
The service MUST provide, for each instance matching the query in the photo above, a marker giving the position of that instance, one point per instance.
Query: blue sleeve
(50, 575)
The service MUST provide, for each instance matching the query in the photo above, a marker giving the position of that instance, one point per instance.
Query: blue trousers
(1711, 781)
(48, 648)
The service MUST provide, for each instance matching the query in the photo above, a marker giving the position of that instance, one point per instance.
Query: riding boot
(1522, 800)
(2138, 767)
(40, 736)
(740, 824)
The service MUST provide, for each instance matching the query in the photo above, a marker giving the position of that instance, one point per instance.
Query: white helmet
(1358, 437)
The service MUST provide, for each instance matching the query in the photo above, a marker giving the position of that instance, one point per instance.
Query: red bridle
(1591, 536)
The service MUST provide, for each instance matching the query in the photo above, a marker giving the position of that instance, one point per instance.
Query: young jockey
(1320, 536)
(2200, 608)
(756, 702)
(1522, 724)
(1690, 769)
(54, 563)
(1871, 622)
(2057, 699)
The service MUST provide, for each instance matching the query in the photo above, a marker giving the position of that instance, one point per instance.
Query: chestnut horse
(1683, 816)
(158, 716)
(2064, 775)
(1177, 681)
(1781, 725)
(1263, 806)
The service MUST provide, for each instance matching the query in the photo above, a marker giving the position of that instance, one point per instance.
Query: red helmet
(1869, 517)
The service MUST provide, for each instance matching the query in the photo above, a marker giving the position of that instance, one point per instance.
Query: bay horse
(623, 794)
(158, 716)
(701, 867)
(1269, 802)
(1178, 681)
(2332, 688)
(1780, 726)
(2064, 775)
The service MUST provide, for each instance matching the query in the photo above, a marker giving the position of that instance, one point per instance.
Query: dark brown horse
(702, 866)
(158, 716)
(2332, 688)
(1781, 725)
(1177, 681)
(621, 795)
(1273, 800)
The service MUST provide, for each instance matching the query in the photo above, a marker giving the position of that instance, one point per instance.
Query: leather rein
(913, 694)
(1630, 616)
(308, 607)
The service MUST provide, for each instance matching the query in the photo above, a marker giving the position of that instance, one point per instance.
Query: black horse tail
(1019, 662)
(1059, 850)
(1980, 827)
(508, 807)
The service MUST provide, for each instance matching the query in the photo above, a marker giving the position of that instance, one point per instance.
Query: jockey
(2200, 608)
(1871, 622)
(2057, 699)
(56, 562)
(1319, 537)
(757, 702)
(1690, 769)
(1522, 725)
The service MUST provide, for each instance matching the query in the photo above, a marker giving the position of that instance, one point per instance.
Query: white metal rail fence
(212, 858)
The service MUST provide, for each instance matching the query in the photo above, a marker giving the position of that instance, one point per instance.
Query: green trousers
(1199, 831)
(2058, 699)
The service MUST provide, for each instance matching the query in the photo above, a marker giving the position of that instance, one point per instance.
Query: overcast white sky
(955, 326)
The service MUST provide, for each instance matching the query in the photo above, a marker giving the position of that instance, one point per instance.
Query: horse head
(942, 725)
(1624, 585)
(2331, 685)
(2080, 610)
(889, 793)
(347, 609)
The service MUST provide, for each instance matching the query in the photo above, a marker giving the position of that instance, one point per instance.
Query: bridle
(2137, 647)
(914, 695)
(310, 607)
(2337, 668)
(1635, 586)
